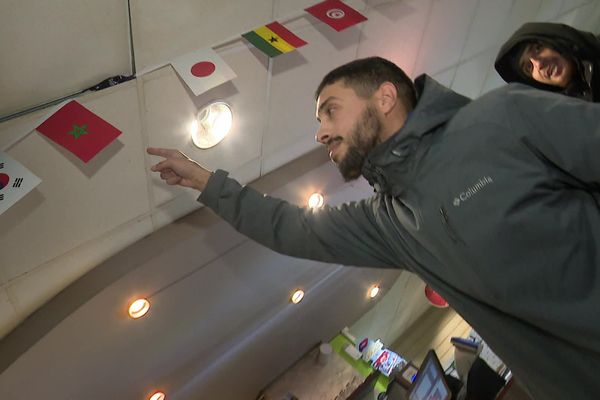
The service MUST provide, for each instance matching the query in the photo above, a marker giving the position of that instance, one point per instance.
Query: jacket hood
(436, 105)
(583, 48)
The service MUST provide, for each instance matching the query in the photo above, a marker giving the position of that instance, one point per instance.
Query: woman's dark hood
(583, 48)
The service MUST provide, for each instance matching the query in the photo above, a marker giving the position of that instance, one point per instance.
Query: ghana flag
(274, 39)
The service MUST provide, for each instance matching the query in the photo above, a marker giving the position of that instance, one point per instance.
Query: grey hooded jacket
(494, 203)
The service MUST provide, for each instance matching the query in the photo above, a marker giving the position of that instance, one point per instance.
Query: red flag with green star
(79, 130)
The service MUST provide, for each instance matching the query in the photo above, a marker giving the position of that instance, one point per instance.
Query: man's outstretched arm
(348, 234)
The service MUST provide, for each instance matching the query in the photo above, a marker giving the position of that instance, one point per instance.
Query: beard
(364, 137)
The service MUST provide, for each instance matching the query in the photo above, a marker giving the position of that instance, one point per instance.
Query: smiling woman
(553, 57)
(543, 64)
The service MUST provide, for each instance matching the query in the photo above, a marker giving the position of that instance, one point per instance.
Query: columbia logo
(472, 190)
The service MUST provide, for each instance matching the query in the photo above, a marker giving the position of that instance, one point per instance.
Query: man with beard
(488, 201)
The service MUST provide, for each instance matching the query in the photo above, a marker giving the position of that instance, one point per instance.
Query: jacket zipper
(449, 229)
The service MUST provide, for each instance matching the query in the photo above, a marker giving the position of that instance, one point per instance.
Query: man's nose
(322, 136)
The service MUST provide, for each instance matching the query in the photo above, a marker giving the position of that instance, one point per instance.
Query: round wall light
(213, 124)
(374, 291)
(139, 308)
(316, 200)
(297, 296)
(158, 396)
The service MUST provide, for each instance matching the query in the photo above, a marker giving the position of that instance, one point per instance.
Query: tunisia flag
(336, 14)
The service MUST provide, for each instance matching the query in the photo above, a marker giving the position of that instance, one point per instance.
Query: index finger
(161, 152)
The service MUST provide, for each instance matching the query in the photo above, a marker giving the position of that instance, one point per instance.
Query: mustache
(333, 140)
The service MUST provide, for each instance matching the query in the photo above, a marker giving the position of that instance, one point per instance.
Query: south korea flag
(15, 181)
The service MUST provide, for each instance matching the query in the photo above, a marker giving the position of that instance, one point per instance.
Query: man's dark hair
(367, 74)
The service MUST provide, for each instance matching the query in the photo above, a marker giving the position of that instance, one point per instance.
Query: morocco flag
(274, 39)
(336, 14)
(15, 181)
(79, 130)
(202, 70)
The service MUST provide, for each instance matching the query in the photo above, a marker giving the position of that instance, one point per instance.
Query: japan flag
(202, 70)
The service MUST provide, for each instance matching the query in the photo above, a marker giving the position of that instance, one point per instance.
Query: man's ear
(387, 97)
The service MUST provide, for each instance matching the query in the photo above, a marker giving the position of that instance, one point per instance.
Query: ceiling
(91, 237)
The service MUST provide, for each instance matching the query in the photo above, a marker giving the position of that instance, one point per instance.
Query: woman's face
(545, 65)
